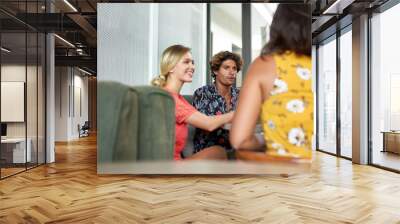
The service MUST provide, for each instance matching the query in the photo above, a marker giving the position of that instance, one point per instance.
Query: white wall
(79, 117)
(17, 73)
(33, 126)
(123, 43)
(226, 27)
(132, 37)
(61, 103)
(67, 116)
(184, 24)
(14, 73)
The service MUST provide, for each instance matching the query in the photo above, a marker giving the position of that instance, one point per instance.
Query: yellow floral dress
(287, 114)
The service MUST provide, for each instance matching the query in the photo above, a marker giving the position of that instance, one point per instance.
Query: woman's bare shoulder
(263, 67)
(263, 72)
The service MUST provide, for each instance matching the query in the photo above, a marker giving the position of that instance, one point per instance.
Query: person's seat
(135, 123)
(118, 123)
(156, 136)
(189, 147)
(84, 129)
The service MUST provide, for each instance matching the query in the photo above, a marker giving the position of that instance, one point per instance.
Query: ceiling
(76, 22)
(332, 15)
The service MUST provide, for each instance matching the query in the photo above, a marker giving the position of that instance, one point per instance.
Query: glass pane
(261, 19)
(31, 97)
(41, 98)
(314, 86)
(346, 94)
(13, 87)
(385, 86)
(226, 30)
(327, 97)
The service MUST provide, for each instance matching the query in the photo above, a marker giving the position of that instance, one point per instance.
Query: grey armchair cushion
(189, 148)
(118, 121)
(188, 98)
(156, 137)
(135, 123)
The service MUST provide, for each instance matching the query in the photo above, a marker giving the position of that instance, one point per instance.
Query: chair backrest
(156, 123)
(188, 150)
(118, 120)
(135, 123)
(86, 125)
(188, 98)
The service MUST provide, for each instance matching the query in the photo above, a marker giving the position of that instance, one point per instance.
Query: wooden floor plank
(70, 191)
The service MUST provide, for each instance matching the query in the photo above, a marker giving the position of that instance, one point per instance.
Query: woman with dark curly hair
(278, 87)
(220, 97)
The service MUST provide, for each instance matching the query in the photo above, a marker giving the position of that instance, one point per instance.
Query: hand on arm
(209, 123)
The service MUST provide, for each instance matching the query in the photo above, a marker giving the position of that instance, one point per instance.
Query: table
(391, 141)
(257, 129)
(263, 157)
(203, 167)
(16, 147)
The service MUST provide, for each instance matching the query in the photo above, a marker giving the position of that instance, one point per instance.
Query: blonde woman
(177, 67)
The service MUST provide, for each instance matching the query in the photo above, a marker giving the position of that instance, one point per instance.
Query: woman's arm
(259, 82)
(209, 123)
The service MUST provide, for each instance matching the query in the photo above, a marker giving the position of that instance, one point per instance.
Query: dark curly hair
(219, 58)
(290, 30)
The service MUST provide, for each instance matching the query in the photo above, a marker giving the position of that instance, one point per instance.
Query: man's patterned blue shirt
(208, 101)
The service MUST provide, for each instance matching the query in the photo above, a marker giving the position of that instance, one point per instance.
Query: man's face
(226, 74)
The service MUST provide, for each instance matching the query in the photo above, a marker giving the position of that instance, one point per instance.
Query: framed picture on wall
(12, 101)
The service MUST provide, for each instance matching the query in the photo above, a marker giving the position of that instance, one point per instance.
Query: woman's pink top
(183, 110)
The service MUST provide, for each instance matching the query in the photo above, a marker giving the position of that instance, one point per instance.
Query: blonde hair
(170, 57)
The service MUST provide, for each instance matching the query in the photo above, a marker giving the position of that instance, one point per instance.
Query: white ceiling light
(5, 50)
(65, 41)
(86, 72)
(70, 5)
(79, 51)
(338, 6)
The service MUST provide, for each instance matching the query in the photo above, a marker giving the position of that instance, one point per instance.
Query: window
(22, 67)
(261, 19)
(385, 88)
(226, 30)
(346, 93)
(327, 96)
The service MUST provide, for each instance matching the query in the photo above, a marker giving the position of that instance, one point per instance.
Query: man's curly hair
(219, 58)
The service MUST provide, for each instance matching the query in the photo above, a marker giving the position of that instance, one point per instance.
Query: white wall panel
(122, 47)
(132, 37)
(183, 24)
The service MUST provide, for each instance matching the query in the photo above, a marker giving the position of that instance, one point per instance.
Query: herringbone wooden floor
(70, 191)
